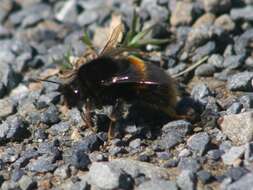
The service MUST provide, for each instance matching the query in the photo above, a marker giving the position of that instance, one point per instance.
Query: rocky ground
(44, 146)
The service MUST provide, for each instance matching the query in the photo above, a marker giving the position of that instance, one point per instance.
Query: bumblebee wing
(113, 40)
(138, 72)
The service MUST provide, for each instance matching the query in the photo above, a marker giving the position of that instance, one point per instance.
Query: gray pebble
(204, 50)
(204, 176)
(186, 180)
(80, 160)
(236, 173)
(59, 128)
(7, 107)
(244, 13)
(198, 143)
(87, 17)
(134, 144)
(41, 165)
(240, 82)
(233, 154)
(216, 60)
(215, 154)
(234, 61)
(200, 91)
(50, 116)
(174, 132)
(235, 108)
(247, 101)
(104, 175)
(205, 70)
(47, 99)
(27, 182)
(14, 128)
(188, 164)
(158, 185)
(244, 183)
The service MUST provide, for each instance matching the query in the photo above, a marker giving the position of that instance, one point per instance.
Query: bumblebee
(108, 77)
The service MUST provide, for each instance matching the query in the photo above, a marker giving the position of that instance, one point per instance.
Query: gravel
(46, 145)
(238, 127)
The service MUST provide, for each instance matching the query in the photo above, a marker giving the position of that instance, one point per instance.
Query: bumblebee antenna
(45, 80)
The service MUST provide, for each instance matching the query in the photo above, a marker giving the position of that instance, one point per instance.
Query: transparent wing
(113, 40)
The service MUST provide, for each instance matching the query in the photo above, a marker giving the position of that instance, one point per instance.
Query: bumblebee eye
(76, 91)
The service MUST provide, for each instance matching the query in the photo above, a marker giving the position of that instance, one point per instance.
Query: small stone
(244, 13)
(17, 174)
(59, 128)
(158, 185)
(243, 183)
(204, 20)
(41, 165)
(88, 144)
(215, 154)
(243, 41)
(80, 160)
(87, 17)
(236, 173)
(198, 143)
(205, 70)
(238, 128)
(230, 157)
(247, 101)
(104, 175)
(25, 157)
(204, 176)
(186, 180)
(216, 6)
(204, 50)
(14, 128)
(182, 14)
(235, 108)
(234, 61)
(9, 77)
(63, 172)
(27, 182)
(225, 22)
(163, 155)
(171, 163)
(200, 91)
(240, 82)
(216, 60)
(47, 99)
(134, 144)
(198, 36)
(7, 107)
(135, 168)
(188, 164)
(144, 158)
(31, 20)
(178, 68)
(174, 132)
(50, 116)
(184, 153)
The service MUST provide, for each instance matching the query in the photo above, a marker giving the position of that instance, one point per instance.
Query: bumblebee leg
(86, 116)
(115, 114)
(111, 128)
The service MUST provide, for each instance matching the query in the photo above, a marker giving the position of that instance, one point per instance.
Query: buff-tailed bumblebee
(111, 76)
